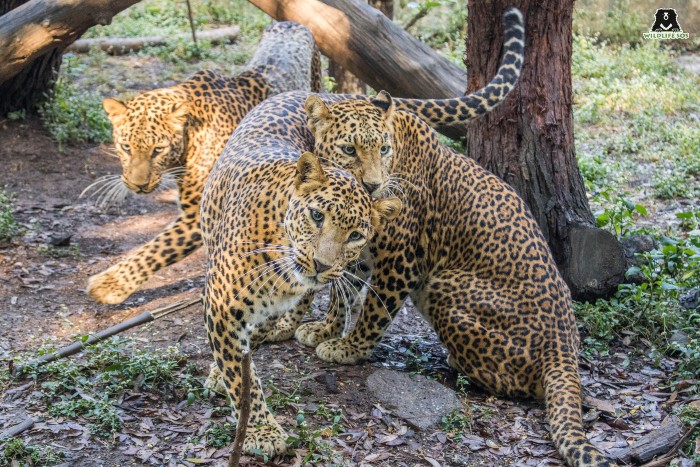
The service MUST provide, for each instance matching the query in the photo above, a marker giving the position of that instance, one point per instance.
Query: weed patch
(8, 225)
(17, 453)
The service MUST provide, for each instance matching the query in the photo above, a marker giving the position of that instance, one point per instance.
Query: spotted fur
(180, 131)
(469, 254)
(275, 230)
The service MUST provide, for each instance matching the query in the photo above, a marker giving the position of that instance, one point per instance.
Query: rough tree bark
(33, 35)
(376, 50)
(528, 141)
(346, 81)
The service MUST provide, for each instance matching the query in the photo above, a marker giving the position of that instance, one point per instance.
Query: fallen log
(657, 442)
(375, 49)
(39, 26)
(17, 429)
(78, 346)
(124, 45)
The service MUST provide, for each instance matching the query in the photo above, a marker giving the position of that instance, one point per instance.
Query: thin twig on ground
(244, 413)
(78, 346)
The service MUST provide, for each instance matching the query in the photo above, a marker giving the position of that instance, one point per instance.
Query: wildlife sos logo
(666, 26)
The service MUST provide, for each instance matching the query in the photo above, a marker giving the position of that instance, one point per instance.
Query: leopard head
(357, 135)
(329, 220)
(148, 133)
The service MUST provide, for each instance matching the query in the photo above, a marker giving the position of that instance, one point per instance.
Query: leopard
(277, 227)
(465, 247)
(178, 133)
(467, 252)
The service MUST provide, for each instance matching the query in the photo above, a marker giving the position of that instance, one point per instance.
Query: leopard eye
(349, 150)
(125, 147)
(317, 216)
(355, 236)
(158, 150)
(384, 150)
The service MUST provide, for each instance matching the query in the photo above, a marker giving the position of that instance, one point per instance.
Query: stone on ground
(416, 399)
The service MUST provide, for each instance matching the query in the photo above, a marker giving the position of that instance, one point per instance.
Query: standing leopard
(275, 230)
(465, 247)
(181, 130)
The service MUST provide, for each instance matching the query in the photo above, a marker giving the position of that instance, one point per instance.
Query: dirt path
(42, 297)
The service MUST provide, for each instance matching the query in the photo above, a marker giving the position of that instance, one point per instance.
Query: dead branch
(78, 346)
(17, 429)
(652, 444)
(244, 414)
(39, 26)
(677, 447)
(124, 45)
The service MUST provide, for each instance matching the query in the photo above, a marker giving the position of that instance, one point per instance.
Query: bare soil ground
(42, 296)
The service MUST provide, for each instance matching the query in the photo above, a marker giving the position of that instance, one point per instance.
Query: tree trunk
(376, 50)
(528, 140)
(346, 81)
(25, 90)
(33, 35)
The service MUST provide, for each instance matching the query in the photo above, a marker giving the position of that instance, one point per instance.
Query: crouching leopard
(180, 131)
(275, 230)
(468, 253)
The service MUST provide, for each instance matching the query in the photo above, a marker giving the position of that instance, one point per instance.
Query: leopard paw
(268, 438)
(312, 334)
(215, 380)
(281, 331)
(108, 287)
(341, 351)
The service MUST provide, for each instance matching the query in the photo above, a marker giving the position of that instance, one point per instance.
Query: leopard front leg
(282, 328)
(381, 305)
(228, 339)
(178, 240)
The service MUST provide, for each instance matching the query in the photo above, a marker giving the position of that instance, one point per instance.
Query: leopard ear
(115, 109)
(385, 210)
(178, 114)
(310, 174)
(383, 101)
(317, 113)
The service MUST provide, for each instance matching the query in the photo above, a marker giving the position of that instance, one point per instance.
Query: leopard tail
(437, 112)
(563, 397)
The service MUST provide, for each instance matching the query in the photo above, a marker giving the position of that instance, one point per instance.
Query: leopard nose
(371, 187)
(320, 267)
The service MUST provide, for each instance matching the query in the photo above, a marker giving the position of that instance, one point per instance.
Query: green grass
(8, 224)
(73, 115)
(632, 105)
(88, 387)
(16, 453)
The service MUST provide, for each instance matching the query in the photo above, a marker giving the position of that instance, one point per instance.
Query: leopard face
(148, 133)
(328, 223)
(356, 135)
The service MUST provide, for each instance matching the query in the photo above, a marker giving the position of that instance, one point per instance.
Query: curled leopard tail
(461, 110)
(563, 399)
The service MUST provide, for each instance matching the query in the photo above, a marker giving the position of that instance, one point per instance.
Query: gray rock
(690, 300)
(416, 399)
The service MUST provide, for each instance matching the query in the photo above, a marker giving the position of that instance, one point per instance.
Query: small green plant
(312, 441)
(619, 215)
(17, 115)
(456, 423)
(220, 435)
(90, 387)
(415, 359)
(690, 415)
(8, 225)
(75, 116)
(16, 452)
(672, 186)
(56, 252)
(277, 399)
